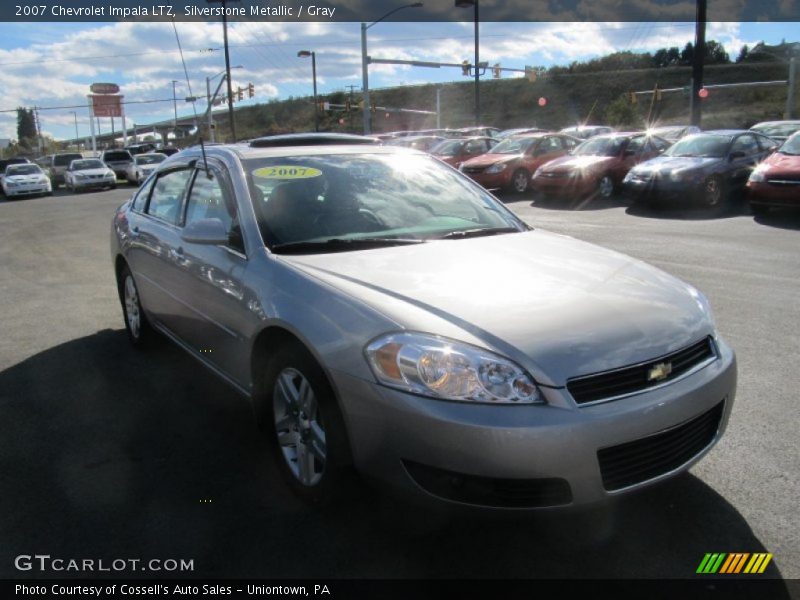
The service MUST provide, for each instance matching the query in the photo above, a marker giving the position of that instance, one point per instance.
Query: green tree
(26, 123)
(621, 113)
(743, 54)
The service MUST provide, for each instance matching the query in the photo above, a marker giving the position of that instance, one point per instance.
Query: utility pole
(698, 61)
(174, 105)
(790, 93)
(231, 118)
(438, 107)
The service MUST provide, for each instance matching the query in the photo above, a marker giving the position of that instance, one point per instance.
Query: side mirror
(737, 155)
(209, 232)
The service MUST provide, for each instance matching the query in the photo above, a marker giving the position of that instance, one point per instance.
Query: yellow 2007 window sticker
(287, 172)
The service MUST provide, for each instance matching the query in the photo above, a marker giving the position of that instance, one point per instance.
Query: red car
(597, 166)
(509, 165)
(457, 150)
(776, 181)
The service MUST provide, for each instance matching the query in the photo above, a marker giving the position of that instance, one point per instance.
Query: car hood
(570, 163)
(486, 160)
(783, 163)
(24, 178)
(561, 307)
(671, 164)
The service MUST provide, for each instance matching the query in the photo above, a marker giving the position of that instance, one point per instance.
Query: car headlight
(758, 176)
(497, 168)
(80, 176)
(704, 305)
(111, 175)
(42, 180)
(427, 365)
(630, 176)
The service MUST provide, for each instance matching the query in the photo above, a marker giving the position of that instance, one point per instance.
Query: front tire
(140, 333)
(305, 427)
(713, 193)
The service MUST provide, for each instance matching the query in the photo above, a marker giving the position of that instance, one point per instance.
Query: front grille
(628, 380)
(488, 491)
(634, 462)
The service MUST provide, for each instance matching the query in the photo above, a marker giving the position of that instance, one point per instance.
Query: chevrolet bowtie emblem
(659, 371)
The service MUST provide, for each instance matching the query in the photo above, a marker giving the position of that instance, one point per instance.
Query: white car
(89, 173)
(142, 166)
(25, 180)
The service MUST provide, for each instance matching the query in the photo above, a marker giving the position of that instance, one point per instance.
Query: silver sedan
(385, 314)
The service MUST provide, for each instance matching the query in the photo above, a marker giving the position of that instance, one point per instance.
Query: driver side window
(165, 201)
(209, 199)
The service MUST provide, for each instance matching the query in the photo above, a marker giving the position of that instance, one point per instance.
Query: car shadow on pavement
(589, 203)
(782, 218)
(109, 452)
(687, 213)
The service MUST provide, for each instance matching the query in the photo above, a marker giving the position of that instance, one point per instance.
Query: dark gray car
(383, 313)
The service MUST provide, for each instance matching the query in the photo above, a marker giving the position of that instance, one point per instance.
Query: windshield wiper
(341, 244)
(479, 232)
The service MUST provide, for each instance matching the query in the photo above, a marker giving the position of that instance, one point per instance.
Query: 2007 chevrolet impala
(385, 313)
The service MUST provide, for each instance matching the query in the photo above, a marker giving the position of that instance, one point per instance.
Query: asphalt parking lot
(108, 452)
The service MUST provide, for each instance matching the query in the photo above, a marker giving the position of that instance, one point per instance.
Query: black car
(705, 168)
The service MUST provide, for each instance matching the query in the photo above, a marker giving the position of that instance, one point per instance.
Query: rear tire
(304, 426)
(520, 181)
(140, 333)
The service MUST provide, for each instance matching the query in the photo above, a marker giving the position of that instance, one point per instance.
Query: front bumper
(28, 189)
(92, 184)
(563, 186)
(771, 194)
(492, 181)
(660, 190)
(392, 433)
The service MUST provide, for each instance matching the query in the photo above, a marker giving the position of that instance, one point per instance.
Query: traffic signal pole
(697, 63)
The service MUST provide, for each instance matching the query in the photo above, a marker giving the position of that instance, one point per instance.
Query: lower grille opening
(646, 458)
(488, 491)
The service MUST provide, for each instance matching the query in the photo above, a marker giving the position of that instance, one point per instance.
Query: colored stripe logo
(734, 563)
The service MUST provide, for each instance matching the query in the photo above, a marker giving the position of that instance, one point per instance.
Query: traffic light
(496, 71)
(251, 90)
(466, 69)
(632, 97)
(239, 94)
(530, 73)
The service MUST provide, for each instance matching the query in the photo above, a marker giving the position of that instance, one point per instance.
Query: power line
(8, 110)
(100, 57)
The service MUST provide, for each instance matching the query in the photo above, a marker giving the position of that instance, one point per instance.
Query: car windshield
(64, 160)
(150, 159)
(23, 170)
(368, 197)
(91, 163)
(447, 148)
(791, 146)
(600, 146)
(514, 145)
(701, 145)
(778, 129)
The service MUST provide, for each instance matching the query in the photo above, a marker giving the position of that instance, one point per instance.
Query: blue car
(704, 168)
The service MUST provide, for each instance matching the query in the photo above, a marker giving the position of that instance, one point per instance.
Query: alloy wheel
(132, 314)
(299, 427)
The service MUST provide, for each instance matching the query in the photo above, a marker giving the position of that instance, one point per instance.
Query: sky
(53, 64)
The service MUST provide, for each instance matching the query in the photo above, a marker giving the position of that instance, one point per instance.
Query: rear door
(156, 255)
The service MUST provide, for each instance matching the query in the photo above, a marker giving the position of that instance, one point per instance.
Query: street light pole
(313, 55)
(465, 4)
(365, 63)
(174, 106)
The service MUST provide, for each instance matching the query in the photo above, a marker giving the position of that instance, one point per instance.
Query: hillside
(571, 97)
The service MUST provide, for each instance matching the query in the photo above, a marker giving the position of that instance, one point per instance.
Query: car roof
(245, 151)
(780, 122)
(727, 131)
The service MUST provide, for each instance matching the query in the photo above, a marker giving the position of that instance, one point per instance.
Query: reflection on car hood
(97, 171)
(569, 163)
(559, 306)
(783, 163)
(485, 160)
(667, 164)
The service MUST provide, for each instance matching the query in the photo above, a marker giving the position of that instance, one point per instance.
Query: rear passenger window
(165, 201)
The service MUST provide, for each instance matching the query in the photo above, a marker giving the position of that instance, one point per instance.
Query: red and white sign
(106, 105)
(104, 88)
